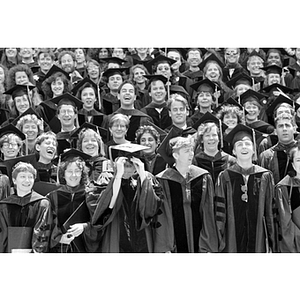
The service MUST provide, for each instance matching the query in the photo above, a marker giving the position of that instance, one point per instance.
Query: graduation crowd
(160, 150)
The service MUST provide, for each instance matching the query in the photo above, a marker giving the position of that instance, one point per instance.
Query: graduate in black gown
(25, 216)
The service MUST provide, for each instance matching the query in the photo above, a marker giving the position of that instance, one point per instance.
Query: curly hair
(86, 85)
(80, 164)
(11, 76)
(23, 167)
(82, 135)
(64, 52)
(147, 129)
(230, 109)
(202, 129)
(30, 119)
(46, 85)
(177, 97)
(5, 71)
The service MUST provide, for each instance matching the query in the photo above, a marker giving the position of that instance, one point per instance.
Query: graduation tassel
(254, 145)
(168, 88)
(239, 100)
(58, 165)
(29, 97)
(217, 97)
(221, 134)
(244, 117)
(98, 91)
(26, 144)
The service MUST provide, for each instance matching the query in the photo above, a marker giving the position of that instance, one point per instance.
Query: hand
(120, 161)
(66, 238)
(140, 168)
(76, 229)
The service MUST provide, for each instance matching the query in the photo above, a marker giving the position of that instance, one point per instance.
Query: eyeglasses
(12, 145)
(206, 94)
(244, 189)
(68, 111)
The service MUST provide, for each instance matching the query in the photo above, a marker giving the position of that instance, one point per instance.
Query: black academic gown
(29, 217)
(161, 119)
(92, 116)
(64, 201)
(110, 103)
(245, 225)
(261, 126)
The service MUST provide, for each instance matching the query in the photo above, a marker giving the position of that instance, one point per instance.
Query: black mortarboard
(43, 188)
(162, 133)
(156, 77)
(35, 68)
(205, 85)
(126, 150)
(14, 91)
(294, 68)
(255, 53)
(160, 58)
(278, 87)
(66, 98)
(230, 100)
(112, 71)
(241, 78)
(211, 57)
(10, 128)
(10, 163)
(115, 60)
(174, 88)
(181, 51)
(272, 69)
(281, 50)
(281, 99)
(102, 131)
(29, 111)
(142, 62)
(165, 150)
(251, 95)
(70, 153)
(55, 69)
(208, 117)
(239, 131)
(81, 83)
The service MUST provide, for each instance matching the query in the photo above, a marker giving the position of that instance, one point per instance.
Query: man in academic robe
(194, 58)
(244, 199)
(275, 158)
(127, 96)
(187, 218)
(157, 109)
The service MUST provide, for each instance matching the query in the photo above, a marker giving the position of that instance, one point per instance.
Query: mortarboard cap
(162, 133)
(205, 85)
(251, 95)
(181, 51)
(211, 57)
(55, 69)
(35, 68)
(126, 150)
(272, 69)
(277, 87)
(102, 131)
(66, 98)
(112, 71)
(115, 60)
(159, 59)
(255, 53)
(10, 128)
(70, 153)
(293, 69)
(156, 77)
(19, 89)
(229, 101)
(241, 78)
(29, 111)
(142, 62)
(174, 88)
(165, 149)
(43, 188)
(10, 163)
(279, 100)
(239, 131)
(81, 83)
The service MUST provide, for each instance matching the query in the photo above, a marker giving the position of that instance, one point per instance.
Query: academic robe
(32, 212)
(142, 99)
(245, 226)
(64, 141)
(154, 163)
(187, 219)
(276, 160)
(92, 116)
(160, 116)
(213, 164)
(46, 172)
(261, 126)
(64, 201)
(110, 103)
(137, 118)
(194, 76)
(128, 226)
(289, 233)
